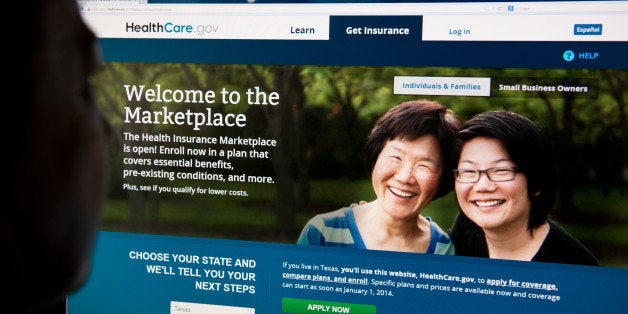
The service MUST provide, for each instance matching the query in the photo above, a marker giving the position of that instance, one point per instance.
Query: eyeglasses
(496, 174)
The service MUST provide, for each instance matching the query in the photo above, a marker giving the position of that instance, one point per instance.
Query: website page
(260, 161)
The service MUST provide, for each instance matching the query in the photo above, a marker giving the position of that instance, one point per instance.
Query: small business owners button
(301, 306)
(587, 29)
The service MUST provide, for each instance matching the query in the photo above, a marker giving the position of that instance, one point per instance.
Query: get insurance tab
(375, 28)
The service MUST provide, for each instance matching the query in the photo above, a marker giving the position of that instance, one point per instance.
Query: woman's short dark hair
(409, 121)
(528, 149)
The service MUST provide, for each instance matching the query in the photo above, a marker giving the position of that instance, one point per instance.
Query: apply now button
(301, 306)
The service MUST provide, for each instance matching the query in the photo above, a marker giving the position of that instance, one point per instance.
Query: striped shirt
(338, 228)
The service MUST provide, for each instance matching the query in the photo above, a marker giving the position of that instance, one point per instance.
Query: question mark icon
(568, 55)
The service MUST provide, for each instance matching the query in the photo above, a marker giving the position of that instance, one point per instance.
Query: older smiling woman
(407, 153)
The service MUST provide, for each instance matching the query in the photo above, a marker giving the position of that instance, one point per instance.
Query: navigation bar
(317, 27)
(582, 21)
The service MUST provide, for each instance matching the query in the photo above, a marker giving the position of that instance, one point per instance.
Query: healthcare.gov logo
(169, 27)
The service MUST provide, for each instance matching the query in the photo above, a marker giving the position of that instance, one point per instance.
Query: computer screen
(361, 157)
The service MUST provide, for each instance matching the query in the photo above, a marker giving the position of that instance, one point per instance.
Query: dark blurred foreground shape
(54, 144)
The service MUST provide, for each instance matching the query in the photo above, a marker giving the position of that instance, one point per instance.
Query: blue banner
(136, 273)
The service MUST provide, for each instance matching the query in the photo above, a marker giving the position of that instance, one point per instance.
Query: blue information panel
(136, 273)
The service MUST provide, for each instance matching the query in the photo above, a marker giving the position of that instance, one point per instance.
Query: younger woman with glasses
(505, 184)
